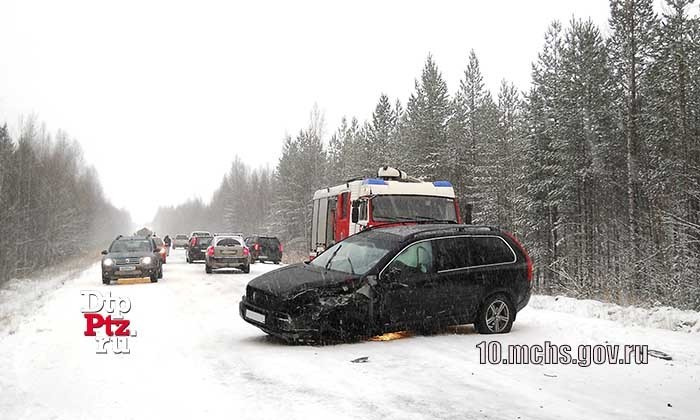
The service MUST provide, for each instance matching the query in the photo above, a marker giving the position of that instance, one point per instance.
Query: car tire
(160, 273)
(496, 315)
(154, 278)
(106, 281)
(207, 269)
(276, 262)
(246, 269)
(189, 261)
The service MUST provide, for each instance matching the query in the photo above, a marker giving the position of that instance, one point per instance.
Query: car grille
(262, 299)
(127, 261)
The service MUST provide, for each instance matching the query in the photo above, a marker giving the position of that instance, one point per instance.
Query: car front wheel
(496, 315)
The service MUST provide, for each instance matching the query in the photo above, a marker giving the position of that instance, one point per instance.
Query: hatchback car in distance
(264, 248)
(130, 256)
(196, 251)
(227, 252)
(180, 241)
(413, 277)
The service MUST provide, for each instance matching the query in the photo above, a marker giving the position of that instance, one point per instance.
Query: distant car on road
(131, 256)
(196, 250)
(420, 277)
(180, 241)
(163, 252)
(264, 248)
(227, 252)
(197, 233)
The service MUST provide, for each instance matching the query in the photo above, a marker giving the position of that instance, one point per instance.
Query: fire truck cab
(390, 198)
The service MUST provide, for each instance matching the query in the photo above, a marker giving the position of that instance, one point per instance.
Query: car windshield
(356, 254)
(140, 245)
(392, 208)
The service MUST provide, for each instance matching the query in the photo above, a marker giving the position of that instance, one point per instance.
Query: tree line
(52, 207)
(596, 166)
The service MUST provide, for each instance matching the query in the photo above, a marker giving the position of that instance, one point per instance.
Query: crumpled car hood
(292, 279)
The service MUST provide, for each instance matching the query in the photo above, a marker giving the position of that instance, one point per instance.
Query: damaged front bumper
(300, 328)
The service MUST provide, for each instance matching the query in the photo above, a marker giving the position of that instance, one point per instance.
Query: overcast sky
(176, 89)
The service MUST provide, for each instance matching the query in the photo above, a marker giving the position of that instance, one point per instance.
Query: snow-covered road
(194, 357)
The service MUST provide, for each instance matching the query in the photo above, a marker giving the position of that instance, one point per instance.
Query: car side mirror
(104, 252)
(391, 274)
(355, 212)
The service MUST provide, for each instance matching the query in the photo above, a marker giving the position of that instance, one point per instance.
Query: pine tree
(633, 24)
(428, 112)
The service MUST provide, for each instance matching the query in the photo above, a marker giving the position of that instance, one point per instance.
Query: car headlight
(146, 260)
(107, 262)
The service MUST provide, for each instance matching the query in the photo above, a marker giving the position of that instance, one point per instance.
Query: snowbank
(22, 297)
(664, 317)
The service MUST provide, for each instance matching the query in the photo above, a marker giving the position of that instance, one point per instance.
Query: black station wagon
(412, 277)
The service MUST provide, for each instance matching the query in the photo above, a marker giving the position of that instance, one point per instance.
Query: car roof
(132, 238)
(427, 230)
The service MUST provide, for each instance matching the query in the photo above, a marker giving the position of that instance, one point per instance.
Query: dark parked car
(130, 256)
(196, 251)
(264, 248)
(419, 277)
(227, 252)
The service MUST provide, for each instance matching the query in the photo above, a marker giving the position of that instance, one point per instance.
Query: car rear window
(271, 242)
(203, 240)
(181, 237)
(228, 242)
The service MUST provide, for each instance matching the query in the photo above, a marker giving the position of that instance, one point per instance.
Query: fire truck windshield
(392, 208)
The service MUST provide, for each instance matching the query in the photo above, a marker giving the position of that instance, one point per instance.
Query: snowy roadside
(664, 317)
(21, 297)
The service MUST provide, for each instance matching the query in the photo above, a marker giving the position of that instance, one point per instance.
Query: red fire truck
(391, 198)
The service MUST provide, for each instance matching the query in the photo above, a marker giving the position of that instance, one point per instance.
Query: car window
(203, 240)
(181, 237)
(130, 246)
(415, 259)
(452, 253)
(228, 242)
(486, 250)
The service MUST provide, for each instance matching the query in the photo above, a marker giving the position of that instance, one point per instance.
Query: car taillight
(162, 251)
(246, 251)
(281, 248)
(257, 247)
(528, 260)
(210, 251)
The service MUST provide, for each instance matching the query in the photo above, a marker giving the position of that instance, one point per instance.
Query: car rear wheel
(496, 315)
(246, 268)
(207, 269)
(160, 273)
